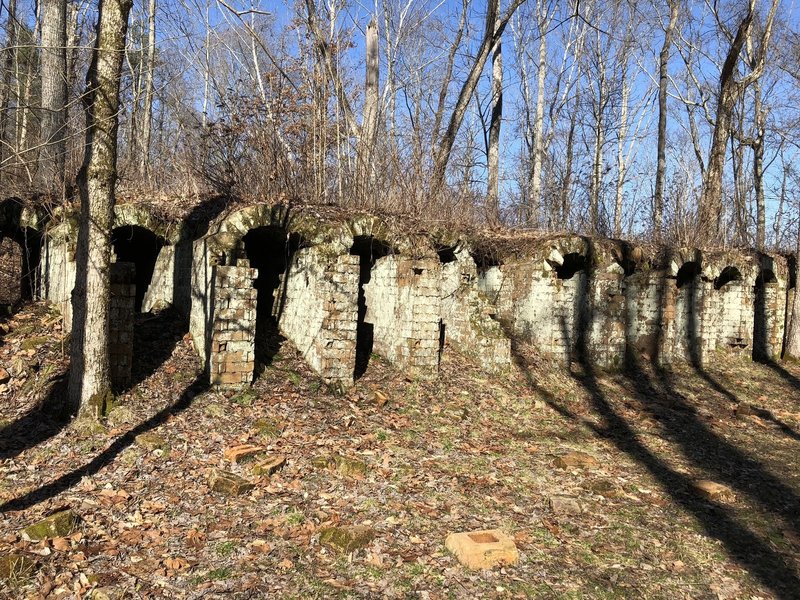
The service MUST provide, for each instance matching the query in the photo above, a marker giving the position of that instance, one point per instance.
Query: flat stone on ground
(576, 460)
(605, 488)
(229, 483)
(14, 567)
(59, 524)
(565, 505)
(242, 453)
(269, 465)
(346, 539)
(152, 441)
(711, 490)
(349, 467)
(483, 549)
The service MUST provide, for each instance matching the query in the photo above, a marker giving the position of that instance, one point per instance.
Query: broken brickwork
(469, 316)
(10, 271)
(232, 352)
(121, 321)
(317, 310)
(404, 305)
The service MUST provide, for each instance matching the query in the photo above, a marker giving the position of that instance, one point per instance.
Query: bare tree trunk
(369, 122)
(566, 184)
(535, 191)
(89, 382)
(8, 69)
(50, 173)
(792, 349)
(711, 209)
(621, 165)
(147, 118)
(661, 151)
(494, 30)
(493, 155)
(758, 169)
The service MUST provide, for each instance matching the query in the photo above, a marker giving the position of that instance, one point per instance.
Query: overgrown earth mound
(648, 483)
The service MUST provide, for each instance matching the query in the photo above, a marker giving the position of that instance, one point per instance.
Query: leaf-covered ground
(463, 452)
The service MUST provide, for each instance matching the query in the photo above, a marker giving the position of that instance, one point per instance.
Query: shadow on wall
(656, 395)
(369, 250)
(271, 250)
(140, 246)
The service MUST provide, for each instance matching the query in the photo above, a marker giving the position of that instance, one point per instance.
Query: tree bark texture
(89, 382)
(493, 158)
(50, 173)
(661, 150)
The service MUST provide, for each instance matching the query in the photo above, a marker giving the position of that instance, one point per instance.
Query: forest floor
(463, 452)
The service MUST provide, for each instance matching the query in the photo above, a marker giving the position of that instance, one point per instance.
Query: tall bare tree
(89, 382)
(50, 173)
(661, 144)
(493, 158)
(730, 90)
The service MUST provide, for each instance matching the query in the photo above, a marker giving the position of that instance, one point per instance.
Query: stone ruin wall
(618, 305)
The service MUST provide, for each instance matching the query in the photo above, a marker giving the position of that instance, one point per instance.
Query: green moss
(34, 343)
(15, 568)
(59, 524)
(346, 539)
(100, 404)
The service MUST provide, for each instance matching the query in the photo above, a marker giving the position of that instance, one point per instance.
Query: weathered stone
(270, 465)
(576, 460)
(60, 524)
(483, 549)
(267, 427)
(605, 488)
(108, 593)
(228, 483)
(711, 490)
(347, 539)
(348, 467)
(120, 415)
(565, 505)
(152, 441)
(16, 567)
(243, 453)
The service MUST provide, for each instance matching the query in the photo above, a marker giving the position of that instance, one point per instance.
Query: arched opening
(447, 254)
(369, 250)
(10, 273)
(687, 274)
(140, 246)
(573, 262)
(269, 249)
(628, 266)
(485, 259)
(20, 252)
(728, 275)
(765, 347)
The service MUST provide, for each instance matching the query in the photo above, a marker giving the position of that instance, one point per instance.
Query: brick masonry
(232, 352)
(317, 310)
(610, 311)
(121, 320)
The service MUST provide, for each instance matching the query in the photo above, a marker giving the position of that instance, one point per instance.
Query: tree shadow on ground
(155, 336)
(658, 398)
(39, 424)
(66, 481)
(746, 547)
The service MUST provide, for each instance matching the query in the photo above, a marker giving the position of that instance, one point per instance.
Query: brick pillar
(232, 358)
(121, 321)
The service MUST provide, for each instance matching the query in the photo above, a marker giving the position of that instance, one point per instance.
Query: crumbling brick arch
(768, 307)
(140, 246)
(20, 252)
(369, 250)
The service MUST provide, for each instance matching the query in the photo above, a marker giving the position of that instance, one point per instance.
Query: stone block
(483, 549)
